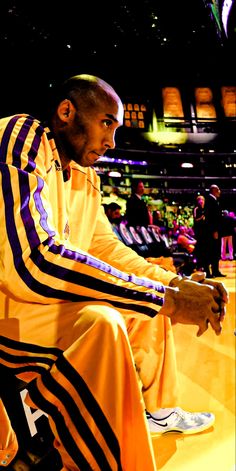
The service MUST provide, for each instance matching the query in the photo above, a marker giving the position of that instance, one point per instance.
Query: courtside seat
(149, 243)
(156, 244)
(132, 239)
(184, 262)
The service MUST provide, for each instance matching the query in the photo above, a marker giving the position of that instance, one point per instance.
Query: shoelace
(189, 417)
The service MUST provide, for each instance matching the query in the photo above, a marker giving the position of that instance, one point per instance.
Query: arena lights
(135, 115)
(114, 174)
(227, 4)
(186, 165)
(104, 158)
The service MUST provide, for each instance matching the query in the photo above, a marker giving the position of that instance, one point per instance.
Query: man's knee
(92, 318)
(104, 316)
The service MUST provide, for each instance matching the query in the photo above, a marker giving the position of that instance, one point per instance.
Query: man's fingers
(220, 307)
(198, 276)
(222, 312)
(215, 321)
(222, 292)
(220, 303)
(216, 326)
(202, 328)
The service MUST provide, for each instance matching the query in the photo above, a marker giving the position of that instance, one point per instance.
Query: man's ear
(66, 110)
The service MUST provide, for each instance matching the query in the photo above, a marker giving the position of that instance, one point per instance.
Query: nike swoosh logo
(158, 423)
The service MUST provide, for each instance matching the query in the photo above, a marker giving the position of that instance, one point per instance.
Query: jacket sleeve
(108, 247)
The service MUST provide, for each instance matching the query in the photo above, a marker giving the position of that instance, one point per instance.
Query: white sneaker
(180, 421)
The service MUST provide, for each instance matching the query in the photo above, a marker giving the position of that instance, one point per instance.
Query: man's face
(216, 192)
(140, 188)
(90, 134)
(115, 215)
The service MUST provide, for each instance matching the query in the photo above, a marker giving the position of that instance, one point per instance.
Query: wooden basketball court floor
(206, 367)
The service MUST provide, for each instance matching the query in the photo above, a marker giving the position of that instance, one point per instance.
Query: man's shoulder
(210, 201)
(17, 119)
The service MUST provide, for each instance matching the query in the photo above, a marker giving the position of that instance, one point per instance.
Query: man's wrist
(170, 301)
(175, 281)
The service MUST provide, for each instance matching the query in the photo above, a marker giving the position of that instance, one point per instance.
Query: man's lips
(101, 153)
(93, 157)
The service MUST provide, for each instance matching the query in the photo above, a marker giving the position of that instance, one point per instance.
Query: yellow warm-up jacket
(56, 244)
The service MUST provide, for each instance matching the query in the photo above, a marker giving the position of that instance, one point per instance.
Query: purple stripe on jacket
(5, 138)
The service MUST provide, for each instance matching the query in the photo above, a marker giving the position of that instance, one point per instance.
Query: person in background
(185, 241)
(78, 307)
(174, 229)
(159, 221)
(113, 213)
(199, 228)
(213, 218)
(115, 197)
(228, 227)
(137, 212)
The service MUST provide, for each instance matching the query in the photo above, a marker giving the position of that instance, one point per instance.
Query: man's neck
(213, 196)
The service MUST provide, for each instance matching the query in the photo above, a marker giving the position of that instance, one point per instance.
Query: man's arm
(186, 301)
(106, 246)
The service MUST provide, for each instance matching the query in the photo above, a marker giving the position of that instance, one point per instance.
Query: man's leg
(216, 254)
(230, 247)
(154, 355)
(223, 248)
(88, 387)
(153, 348)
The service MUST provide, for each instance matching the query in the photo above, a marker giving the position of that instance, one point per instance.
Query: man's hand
(196, 302)
(222, 292)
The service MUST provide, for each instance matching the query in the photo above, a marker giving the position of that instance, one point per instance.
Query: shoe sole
(185, 432)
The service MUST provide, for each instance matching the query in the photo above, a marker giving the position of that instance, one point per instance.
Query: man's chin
(88, 162)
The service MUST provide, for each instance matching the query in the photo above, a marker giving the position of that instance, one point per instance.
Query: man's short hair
(113, 206)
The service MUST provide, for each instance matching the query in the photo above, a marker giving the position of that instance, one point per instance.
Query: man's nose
(110, 142)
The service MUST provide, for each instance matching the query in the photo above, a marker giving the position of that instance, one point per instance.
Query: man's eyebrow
(112, 117)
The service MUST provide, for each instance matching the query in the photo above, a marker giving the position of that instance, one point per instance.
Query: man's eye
(107, 122)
